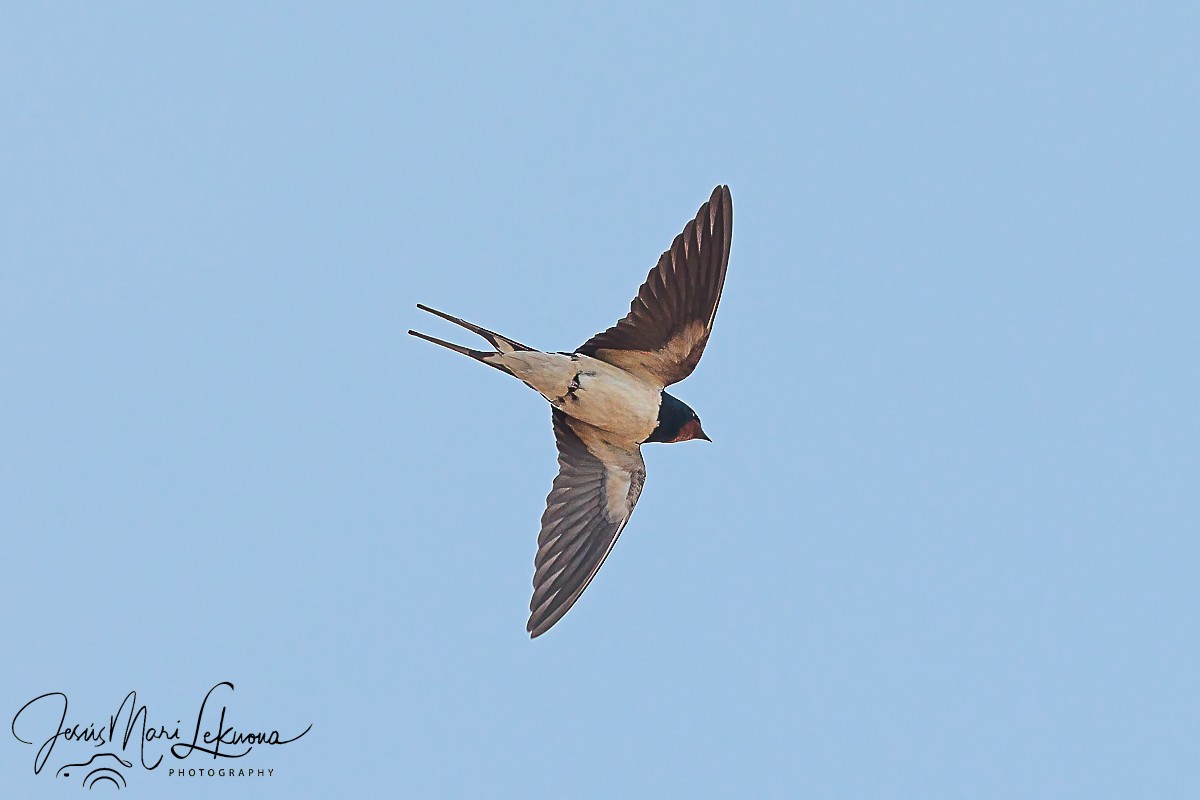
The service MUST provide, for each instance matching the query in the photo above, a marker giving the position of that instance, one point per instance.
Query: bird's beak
(703, 435)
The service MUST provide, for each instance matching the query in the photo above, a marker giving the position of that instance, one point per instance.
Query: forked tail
(503, 344)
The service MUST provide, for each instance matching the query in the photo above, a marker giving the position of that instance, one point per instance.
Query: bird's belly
(617, 403)
(591, 391)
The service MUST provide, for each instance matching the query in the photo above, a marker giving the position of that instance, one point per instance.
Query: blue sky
(944, 543)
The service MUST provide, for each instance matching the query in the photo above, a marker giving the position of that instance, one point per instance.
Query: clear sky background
(945, 542)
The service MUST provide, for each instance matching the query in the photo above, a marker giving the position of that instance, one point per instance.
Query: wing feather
(597, 486)
(669, 322)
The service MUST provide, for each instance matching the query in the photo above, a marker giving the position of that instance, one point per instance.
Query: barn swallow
(608, 398)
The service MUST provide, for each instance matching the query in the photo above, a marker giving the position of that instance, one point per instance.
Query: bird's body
(589, 390)
(608, 398)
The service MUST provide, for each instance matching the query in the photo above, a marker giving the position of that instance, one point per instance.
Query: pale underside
(590, 390)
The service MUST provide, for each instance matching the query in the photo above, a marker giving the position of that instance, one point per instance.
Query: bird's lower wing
(597, 486)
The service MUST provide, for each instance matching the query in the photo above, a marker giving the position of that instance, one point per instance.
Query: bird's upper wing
(664, 333)
(597, 486)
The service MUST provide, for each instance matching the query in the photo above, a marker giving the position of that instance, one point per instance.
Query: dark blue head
(676, 422)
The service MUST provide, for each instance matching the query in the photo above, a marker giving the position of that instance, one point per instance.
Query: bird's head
(676, 422)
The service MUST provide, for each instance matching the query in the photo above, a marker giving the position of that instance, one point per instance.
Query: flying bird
(608, 398)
